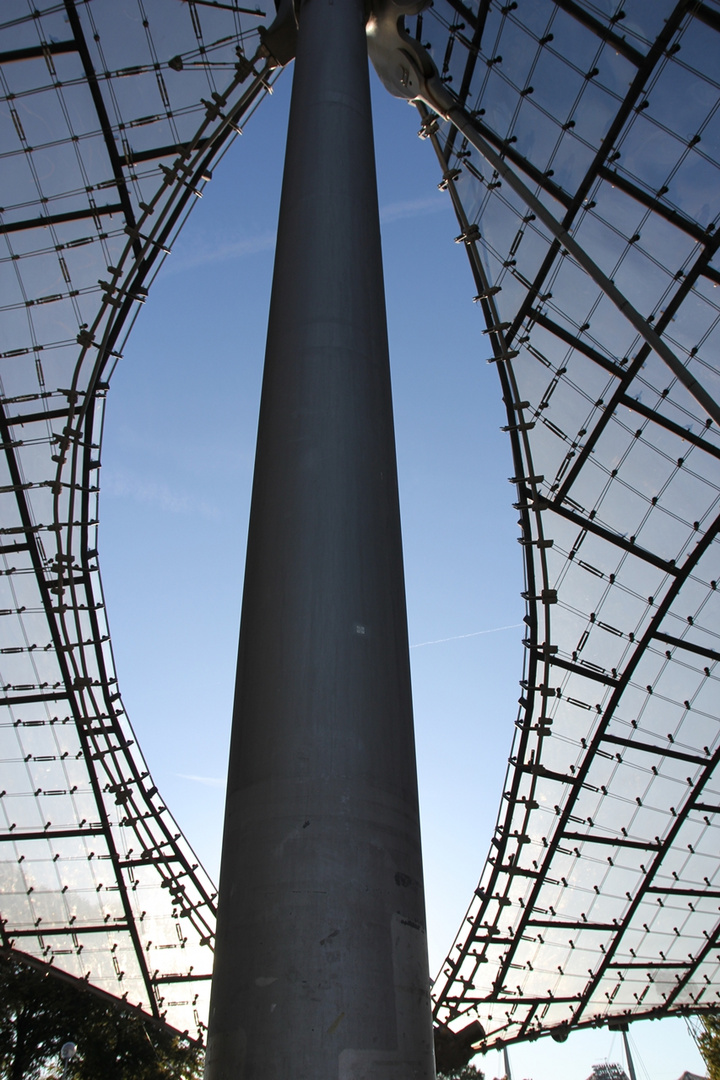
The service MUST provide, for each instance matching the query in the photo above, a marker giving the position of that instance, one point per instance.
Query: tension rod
(407, 71)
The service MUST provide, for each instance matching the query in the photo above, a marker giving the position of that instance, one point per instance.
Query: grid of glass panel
(111, 113)
(600, 897)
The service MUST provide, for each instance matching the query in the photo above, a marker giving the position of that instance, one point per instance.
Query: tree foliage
(467, 1072)
(39, 1012)
(709, 1044)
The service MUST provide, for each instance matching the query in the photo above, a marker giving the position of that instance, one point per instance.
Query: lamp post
(68, 1051)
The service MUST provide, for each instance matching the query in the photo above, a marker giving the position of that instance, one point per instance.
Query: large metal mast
(321, 965)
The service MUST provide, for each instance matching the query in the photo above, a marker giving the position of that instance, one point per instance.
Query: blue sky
(177, 469)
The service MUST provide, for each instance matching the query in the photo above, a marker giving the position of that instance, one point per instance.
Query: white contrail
(412, 208)
(459, 637)
(209, 781)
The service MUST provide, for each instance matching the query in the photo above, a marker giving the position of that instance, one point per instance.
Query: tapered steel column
(321, 966)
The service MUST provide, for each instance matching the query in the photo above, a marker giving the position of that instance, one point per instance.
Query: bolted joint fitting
(279, 40)
(404, 67)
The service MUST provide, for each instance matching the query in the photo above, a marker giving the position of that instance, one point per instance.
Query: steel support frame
(473, 132)
(95, 707)
(525, 476)
(468, 127)
(533, 507)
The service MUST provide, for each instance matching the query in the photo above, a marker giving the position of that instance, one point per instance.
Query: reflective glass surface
(601, 891)
(110, 115)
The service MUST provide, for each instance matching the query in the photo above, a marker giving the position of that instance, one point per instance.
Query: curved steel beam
(408, 71)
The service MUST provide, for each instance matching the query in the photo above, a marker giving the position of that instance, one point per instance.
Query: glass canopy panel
(104, 144)
(599, 896)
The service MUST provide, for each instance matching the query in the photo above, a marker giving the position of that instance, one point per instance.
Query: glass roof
(600, 895)
(111, 113)
(601, 891)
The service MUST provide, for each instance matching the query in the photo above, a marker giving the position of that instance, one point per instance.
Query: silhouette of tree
(39, 1012)
(467, 1072)
(709, 1043)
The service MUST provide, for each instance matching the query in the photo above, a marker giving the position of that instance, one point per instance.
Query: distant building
(607, 1071)
(611, 1071)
